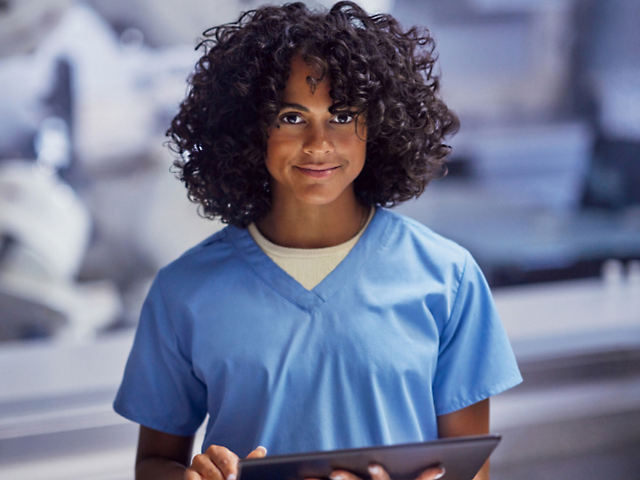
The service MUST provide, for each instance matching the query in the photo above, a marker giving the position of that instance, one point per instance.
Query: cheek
(272, 167)
(359, 153)
(360, 142)
(276, 156)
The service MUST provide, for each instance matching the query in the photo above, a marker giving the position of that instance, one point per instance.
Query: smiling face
(313, 155)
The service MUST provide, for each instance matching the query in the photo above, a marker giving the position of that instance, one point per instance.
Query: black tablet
(461, 457)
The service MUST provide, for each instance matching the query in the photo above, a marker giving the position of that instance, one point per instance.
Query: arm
(472, 420)
(162, 456)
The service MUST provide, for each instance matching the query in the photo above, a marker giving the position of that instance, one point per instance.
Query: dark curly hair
(373, 65)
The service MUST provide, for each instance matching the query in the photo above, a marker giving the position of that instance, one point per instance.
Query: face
(313, 155)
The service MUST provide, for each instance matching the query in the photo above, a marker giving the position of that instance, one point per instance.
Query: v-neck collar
(280, 281)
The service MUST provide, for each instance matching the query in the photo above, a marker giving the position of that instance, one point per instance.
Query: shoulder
(199, 264)
(407, 236)
(214, 244)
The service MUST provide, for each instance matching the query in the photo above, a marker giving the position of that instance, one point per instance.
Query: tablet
(462, 457)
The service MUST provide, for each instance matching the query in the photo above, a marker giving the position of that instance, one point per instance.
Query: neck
(313, 226)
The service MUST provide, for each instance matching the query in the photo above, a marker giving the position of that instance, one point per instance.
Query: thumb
(258, 453)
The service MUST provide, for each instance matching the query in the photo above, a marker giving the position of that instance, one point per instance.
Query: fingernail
(374, 470)
(231, 476)
(441, 474)
(263, 448)
(337, 476)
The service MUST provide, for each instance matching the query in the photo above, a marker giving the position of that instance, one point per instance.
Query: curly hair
(373, 65)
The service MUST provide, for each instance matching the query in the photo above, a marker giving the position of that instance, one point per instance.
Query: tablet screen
(462, 457)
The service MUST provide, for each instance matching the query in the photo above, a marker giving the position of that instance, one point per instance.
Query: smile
(318, 171)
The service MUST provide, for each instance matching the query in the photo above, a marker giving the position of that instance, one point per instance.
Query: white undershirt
(308, 266)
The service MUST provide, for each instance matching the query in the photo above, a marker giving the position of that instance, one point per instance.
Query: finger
(204, 467)
(259, 452)
(378, 473)
(224, 460)
(432, 474)
(190, 474)
(343, 475)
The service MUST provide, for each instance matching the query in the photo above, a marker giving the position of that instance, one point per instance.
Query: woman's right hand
(379, 473)
(217, 463)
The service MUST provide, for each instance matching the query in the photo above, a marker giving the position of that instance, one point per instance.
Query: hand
(217, 463)
(379, 473)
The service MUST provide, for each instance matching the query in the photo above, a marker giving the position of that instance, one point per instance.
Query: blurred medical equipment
(24, 23)
(45, 230)
(119, 96)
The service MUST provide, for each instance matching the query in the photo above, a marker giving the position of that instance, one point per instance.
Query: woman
(316, 320)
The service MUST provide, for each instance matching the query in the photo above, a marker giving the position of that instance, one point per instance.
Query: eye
(343, 117)
(291, 118)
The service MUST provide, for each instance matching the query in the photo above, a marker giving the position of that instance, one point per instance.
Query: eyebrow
(295, 106)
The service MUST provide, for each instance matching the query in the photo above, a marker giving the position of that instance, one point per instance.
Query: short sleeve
(475, 358)
(159, 389)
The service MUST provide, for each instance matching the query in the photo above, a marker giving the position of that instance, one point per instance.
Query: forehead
(301, 84)
(303, 72)
(300, 66)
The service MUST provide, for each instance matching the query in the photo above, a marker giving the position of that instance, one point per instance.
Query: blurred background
(543, 189)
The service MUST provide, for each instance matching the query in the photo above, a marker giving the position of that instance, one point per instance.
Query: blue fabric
(403, 330)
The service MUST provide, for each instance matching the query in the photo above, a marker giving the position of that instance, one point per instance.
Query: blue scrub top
(403, 330)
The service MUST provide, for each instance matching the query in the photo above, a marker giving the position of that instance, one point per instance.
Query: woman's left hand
(379, 473)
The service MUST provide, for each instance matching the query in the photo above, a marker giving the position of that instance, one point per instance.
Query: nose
(318, 141)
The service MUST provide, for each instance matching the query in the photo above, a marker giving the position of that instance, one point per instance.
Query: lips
(318, 171)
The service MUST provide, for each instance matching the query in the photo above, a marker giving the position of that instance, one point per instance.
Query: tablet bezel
(462, 457)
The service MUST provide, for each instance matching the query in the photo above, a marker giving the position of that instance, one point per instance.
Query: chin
(318, 196)
(317, 200)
